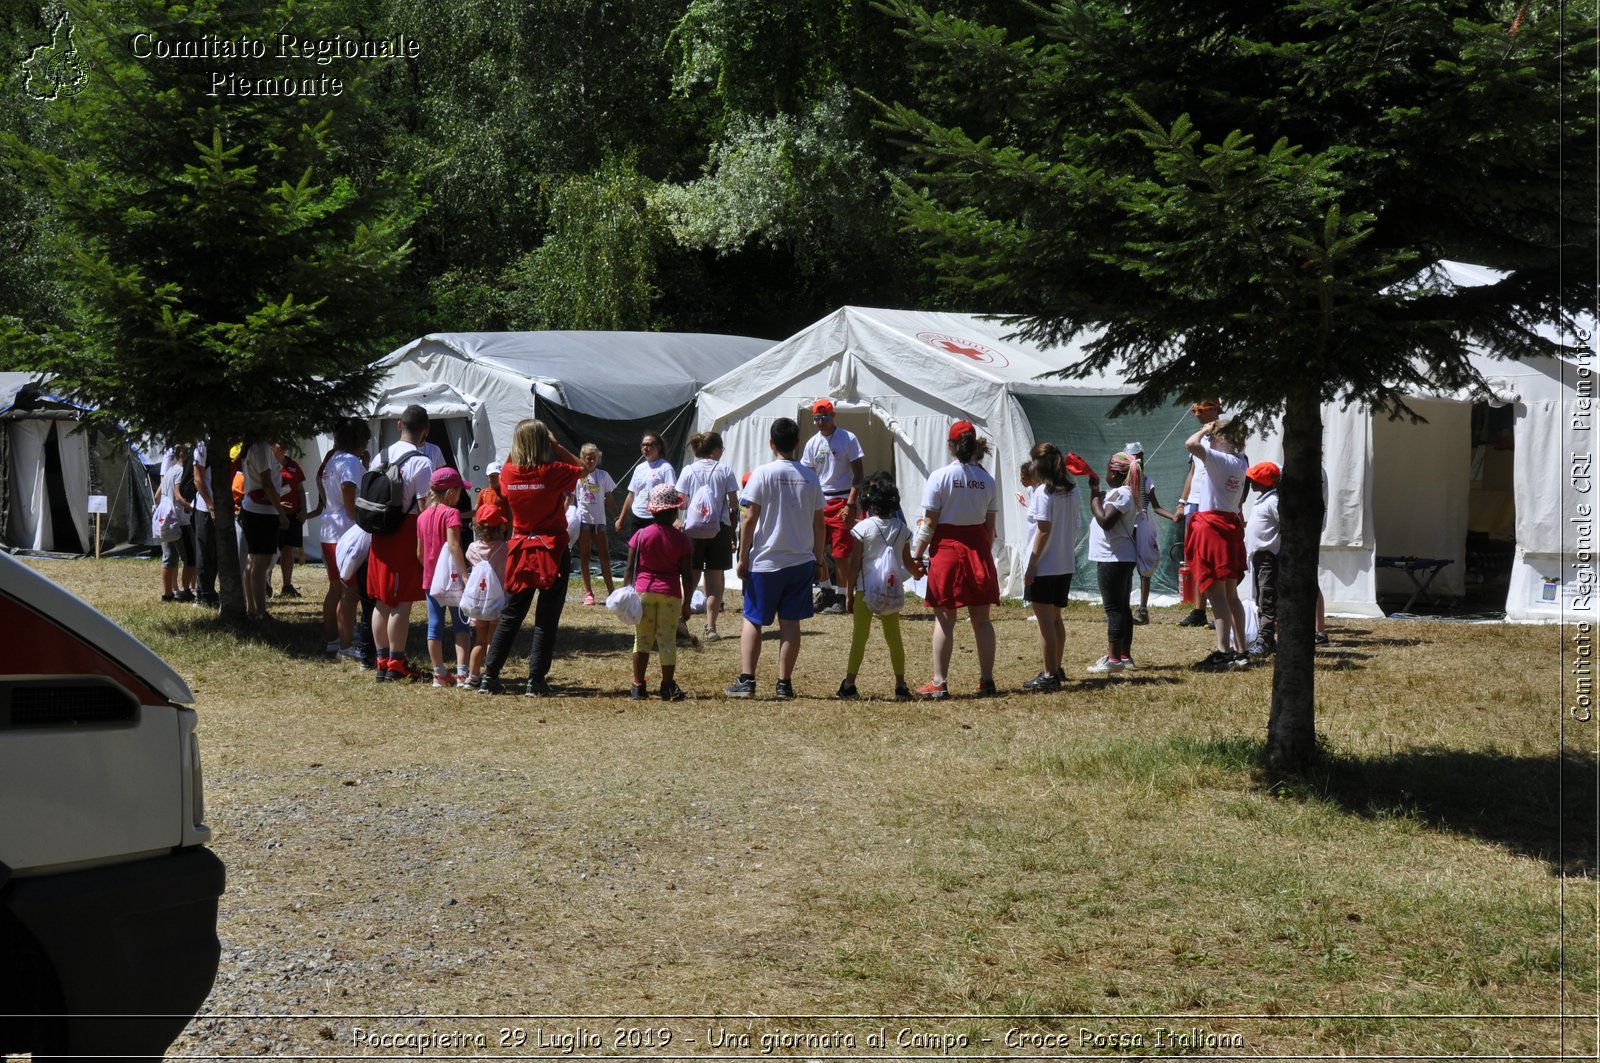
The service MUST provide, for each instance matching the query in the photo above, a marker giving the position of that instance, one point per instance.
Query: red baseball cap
(1264, 474)
(820, 407)
(961, 428)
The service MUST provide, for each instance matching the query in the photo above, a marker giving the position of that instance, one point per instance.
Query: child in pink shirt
(658, 567)
(438, 530)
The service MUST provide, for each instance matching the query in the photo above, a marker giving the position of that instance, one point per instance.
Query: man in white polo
(836, 456)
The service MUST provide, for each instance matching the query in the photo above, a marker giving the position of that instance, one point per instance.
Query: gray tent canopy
(51, 460)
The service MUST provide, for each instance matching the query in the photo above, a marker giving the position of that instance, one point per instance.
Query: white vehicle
(108, 894)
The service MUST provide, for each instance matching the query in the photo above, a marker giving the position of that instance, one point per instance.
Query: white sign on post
(97, 503)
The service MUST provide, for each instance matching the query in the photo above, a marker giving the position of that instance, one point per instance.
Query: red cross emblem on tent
(960, 347)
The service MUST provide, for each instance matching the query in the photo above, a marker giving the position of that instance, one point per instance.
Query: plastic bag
(484, 595)
(626, 605)
(351, 552)
(574, 523)
(448, 580)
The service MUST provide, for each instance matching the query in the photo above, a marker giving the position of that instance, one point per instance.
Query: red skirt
(1215, 549)
(961, 570)
(394, 571)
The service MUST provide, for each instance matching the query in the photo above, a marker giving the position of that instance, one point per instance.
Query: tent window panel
(1083, 423)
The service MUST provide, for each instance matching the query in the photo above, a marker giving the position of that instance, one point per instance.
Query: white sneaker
(332, 646)
(1103, 665)
(349, 652)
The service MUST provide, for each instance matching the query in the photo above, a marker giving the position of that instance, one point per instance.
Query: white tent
(899, 378)
(51, 461)
(482, 383)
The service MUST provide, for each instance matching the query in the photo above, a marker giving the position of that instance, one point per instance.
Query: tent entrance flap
(1420, 478)
(1083, 423)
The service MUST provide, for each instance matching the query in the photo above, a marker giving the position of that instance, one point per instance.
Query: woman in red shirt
(534, 482)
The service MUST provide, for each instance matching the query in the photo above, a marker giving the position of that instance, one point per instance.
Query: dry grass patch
(1107, 851)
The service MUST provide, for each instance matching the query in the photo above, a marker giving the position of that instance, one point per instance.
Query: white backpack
(166, 521)
(883, 585)
(701, 519)
(484, 595)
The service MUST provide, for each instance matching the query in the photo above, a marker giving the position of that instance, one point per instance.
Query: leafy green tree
(228, 273)
(1248, 198)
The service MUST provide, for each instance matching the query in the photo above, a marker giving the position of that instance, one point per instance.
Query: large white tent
(899, 378)
(51, 461)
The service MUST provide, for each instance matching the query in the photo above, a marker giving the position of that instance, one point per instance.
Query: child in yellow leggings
(880, 531)
(658, 567)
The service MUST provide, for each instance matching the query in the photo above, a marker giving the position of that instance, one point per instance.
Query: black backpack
(378, 508)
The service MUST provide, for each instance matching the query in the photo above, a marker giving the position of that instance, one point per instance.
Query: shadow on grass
(1542, 807)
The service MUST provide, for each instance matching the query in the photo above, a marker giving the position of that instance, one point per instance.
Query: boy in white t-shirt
(782, 550)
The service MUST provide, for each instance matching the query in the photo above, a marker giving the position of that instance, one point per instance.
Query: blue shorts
(785, 594)
(439, 615)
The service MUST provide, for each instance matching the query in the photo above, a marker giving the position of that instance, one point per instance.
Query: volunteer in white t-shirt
(1112, 549)
(261, 517)
(713, 554)
(1047, 580)
(1216, 540)
(957, 539)
(836, 455)
(338, 480)
(652, 471)
(782, 547)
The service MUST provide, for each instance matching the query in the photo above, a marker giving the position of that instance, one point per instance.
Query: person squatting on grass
(782, 550)
(439, 530)
(338, 480)
(1052, 541)
(836, 456)
(1217, 555)
(1112, 549)
(491, 529)
(957, 539)
(1261, 545)
(712, 555)
(394, 571)
(537, 476)
(658, 568)
(594, 510)
(881, 530)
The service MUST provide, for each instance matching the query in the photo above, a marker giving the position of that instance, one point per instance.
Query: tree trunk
(1292, 726)
(230, 581)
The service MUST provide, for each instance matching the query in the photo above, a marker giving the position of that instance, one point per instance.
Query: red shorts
(961, 570)
(1214, 551)
(330, 561)
(394, 572)
(834, 519)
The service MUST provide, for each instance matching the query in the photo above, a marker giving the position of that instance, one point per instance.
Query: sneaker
(1102, 666)
(443, 680)
(349, 653)
(637, 692)
(987, 689)
(1239, 660)
(824, 598)
(331, 647)
(1141, 615)
(902, 692)
(382, 667)
(833, 608)
(1319, 639)
(536, 688)
(1215, 661)
(1196, 618)
(671, 691)
(588, 599)
(490, 685)
(847, 691)
(743, 687)
(784, 691)
(184, 596)
(1043, 683)
(1261, 648)
(471, 682)
(936, 691)
(400, 671)
(711, 635)
(289, 591)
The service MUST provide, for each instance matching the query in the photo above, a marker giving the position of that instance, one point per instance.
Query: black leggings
(1116, 587)
(546, 623)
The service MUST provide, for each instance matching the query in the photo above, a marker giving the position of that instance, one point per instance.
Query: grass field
(1097, 872)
